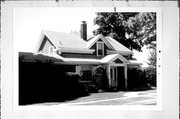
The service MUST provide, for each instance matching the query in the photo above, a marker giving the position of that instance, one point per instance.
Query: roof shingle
(73, 40)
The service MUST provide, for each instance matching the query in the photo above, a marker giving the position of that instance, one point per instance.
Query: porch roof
(32, 57)
(106, 59)
(112, 57)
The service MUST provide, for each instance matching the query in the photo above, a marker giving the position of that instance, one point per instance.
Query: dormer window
(51, 49)
(100, 48)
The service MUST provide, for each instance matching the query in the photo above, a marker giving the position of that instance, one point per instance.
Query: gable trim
(121, 58)
(51, 41)
(118, 60)
(41, 38)
(112, 57)
(104, 40)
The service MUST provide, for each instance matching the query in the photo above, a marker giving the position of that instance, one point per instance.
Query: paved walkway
(129, 98)
(111, 98)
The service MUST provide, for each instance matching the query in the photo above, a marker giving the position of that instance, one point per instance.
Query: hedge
(150, 74)
(136, 77)
(141, 77)
(100, 79)
(47, 82)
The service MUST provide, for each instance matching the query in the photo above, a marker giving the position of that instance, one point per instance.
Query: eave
(74, 50)
(119, 52)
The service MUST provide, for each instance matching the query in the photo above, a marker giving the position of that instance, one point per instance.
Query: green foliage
(73, 76)
(141, 77)
(150, 75)
(133, 30)
(47, 82)
(152, 57)
(100, 79)
(136, 77)
(142, 27)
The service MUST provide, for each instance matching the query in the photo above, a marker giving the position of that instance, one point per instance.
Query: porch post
(108, 73)
(125, 74)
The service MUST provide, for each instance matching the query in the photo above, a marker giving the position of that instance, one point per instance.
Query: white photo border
(10, 85)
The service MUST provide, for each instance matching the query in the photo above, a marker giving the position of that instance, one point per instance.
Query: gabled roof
(66, 40)
(34, 57)
(112, 57)
(117, 46)
(92, 41)
(74, 41)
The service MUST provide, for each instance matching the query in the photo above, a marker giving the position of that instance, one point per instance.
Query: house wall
(78, 55)
(81, 68)
(46, 44)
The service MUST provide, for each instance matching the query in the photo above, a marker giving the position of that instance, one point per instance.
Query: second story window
(100, 49)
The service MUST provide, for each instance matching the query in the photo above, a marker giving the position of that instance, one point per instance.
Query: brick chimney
(83, 30)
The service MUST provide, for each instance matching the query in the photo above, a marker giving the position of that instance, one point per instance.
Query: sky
(28, 23)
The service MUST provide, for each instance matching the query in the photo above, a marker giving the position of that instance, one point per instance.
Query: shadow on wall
(46, 82)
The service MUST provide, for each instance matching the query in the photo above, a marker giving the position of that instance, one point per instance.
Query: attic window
(100, 49)
(51, 49)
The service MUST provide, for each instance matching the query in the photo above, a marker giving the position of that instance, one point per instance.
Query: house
(85, 53)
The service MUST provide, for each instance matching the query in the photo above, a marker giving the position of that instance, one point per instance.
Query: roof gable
(118, 61)
(66, 40)
(114, 58)
(92, 41)
(117, 46)
(74, 41)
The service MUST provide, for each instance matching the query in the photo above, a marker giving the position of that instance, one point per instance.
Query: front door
(113, 75)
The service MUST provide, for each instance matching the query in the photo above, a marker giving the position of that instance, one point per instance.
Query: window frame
(100, 42)
(51, 48)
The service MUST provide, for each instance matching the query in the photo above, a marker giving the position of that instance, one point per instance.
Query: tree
(142, 28)
(133, 30)
(152, 57)
(114, 25)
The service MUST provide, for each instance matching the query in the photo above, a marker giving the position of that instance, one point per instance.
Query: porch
(117, 76)
(116, 73)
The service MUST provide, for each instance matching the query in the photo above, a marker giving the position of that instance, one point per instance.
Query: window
(100, 49)
(51, 49)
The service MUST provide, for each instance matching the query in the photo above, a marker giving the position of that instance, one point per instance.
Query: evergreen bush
(100, 79)
(141, 77)
(150, 74)
(136, 77)
(47, 82)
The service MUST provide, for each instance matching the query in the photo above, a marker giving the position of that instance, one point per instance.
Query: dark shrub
(100, 79)
(136, 77)
(73, 86)
(150, 75)
(46, 82)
